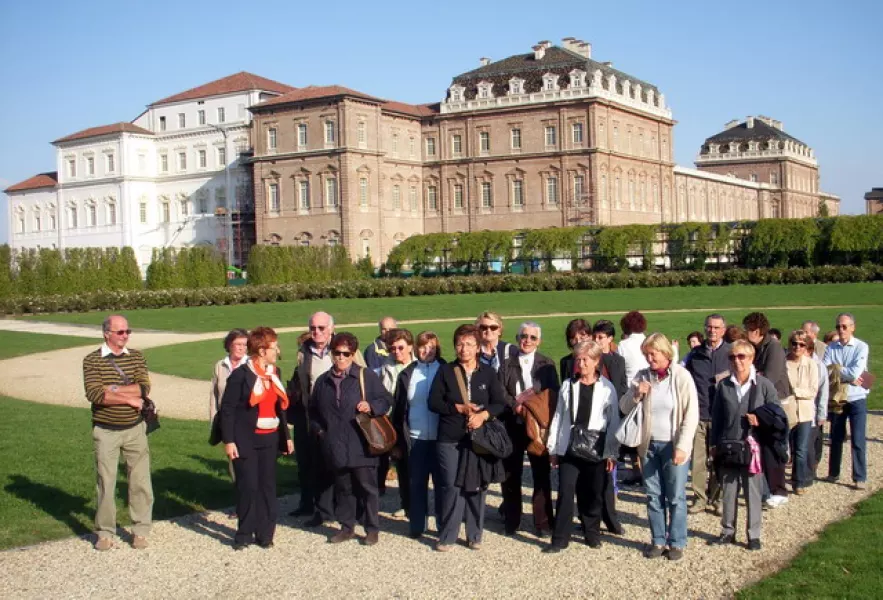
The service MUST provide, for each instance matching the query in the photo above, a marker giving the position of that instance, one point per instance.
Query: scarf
(267, 379)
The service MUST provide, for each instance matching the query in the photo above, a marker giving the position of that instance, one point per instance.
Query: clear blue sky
(817, 66)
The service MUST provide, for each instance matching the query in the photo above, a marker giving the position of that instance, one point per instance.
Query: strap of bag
(461, 383)
(126, 380)
(362, 383)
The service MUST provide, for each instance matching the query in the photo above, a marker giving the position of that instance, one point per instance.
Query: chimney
(485, 61)
(545, 43)
(568, 42)
(749, 122)
(539, 51)
(731, 124)
(584, 49)
(608, 64)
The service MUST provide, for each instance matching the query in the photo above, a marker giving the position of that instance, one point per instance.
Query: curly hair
(756, 320)
(345, 338)
(633, 322)
(234, 335)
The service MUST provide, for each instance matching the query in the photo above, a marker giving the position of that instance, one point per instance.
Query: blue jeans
(666, 487)
(423, 464)
(857, 415)
(801, 475)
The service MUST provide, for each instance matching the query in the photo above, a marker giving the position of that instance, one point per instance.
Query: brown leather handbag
(537, 418)
(377, 431)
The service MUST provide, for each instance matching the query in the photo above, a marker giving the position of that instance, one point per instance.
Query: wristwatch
(114, 388)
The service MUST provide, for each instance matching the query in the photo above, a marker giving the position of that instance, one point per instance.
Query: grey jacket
(728, 413)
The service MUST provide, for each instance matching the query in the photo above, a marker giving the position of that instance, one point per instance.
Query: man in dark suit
(529, 370)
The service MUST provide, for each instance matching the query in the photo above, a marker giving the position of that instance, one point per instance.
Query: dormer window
(457, 93)
(516, 86)
(577, 78)
(484, 90)
(550, 82)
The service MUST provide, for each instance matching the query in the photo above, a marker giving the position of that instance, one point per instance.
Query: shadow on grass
(73, 511)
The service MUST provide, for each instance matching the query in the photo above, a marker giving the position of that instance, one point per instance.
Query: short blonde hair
(743, 346)
(660, 343)
(493, 317)
(589, 348)
(799, 335)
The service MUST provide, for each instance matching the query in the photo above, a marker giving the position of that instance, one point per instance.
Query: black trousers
(354, 486)
(303, 452)
(584, 480)
(541, 469)
(256, 504)
(608, 510)
(323, 482)
(773, 470)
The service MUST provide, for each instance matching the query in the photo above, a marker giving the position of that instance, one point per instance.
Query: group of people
(736, 410)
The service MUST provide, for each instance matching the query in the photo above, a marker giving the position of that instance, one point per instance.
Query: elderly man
(316, 482)
(376, 354)
(851, 354)
(116, 382)
(811, 328)
(708, 363)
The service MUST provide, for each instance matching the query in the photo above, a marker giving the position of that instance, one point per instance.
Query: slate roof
(123, 127)
(760, 131)
(416, 110)
(557, 60)
(238, 82)
(43, 180)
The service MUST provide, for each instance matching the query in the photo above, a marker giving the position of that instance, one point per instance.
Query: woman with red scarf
(254, 431)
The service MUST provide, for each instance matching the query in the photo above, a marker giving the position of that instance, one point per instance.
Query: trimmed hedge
(417, 286)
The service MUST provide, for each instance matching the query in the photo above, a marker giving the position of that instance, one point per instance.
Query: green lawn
(16, 343)
(843, 563)
(219, 318)
(48, 474)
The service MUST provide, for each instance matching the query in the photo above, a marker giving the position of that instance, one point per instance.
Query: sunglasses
(123, 332)
(530, 336)
(343, 353)
(838, 326)
(738, 356)
(488, 327)
(397, 348)
(798, 345)
(317, 328)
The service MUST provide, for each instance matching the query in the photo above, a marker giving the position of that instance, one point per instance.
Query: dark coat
(340, 439)
(239, 419)
(504, 351)
(444, 395)
(298, 387)
(542, 373)
(769, 360)
(402, 404)
(705, 364)
(727, 418)
(373, 359)
(615, 370)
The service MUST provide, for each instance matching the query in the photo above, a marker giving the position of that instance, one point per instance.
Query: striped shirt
(99, 373)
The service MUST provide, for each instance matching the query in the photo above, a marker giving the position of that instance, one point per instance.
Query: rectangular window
(432, 198)
(111, 163)
(21, 224)
(577, 133)
(92, 213)
(72, 167)
(394, 146)
(329, 133)
(142, 163)
(222, 116)
(271, 138)
(162, 123)
(396, 198)
(52, 224)
(201, 117)
(578, 186)
(304, 195)
(486, 200)
(164, 163)
(363, 136)
(552, 190)
(202, 203)
(301, 135)
(182, 121)
(774, 178)
(111, 214)
(90, 165)
(516, 139)
(273, 197)
(331, 192)
(185, 207)
(182, 161)
(363, 192)
(38, 223)
(73, 217)
(222, 157)
(411, 147)
(412, 198)
(457, 144)
(430, 146)
(458, 196)
(518, 193)
(166, 212)
(142, 213)
(551, 137)
(484, 142)
(202, 159)
(221, 198)
(752, 177)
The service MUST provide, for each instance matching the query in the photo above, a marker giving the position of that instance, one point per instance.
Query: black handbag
(585, 444)
(733, 453)
(492, 439)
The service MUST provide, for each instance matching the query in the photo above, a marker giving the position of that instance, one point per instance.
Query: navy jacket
(705, 364)
(372, 358)
(239, 419)
(444, 394)
(334, 423)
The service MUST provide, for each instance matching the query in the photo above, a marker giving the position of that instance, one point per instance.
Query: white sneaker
(776, 501)
(400, 513)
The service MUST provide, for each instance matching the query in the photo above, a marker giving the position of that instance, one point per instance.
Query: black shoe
(510, 532)
(316, 521)
(593, 543)
(543, 534)
(724, 539)
(266, 545)
(754, 544)
(415, 535)
(240, 546)
(301, 511)
(552, 549)
(616, 529)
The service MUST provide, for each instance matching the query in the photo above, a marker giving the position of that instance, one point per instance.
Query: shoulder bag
(378, 431)
(736, 453)
(491, 439)
(585, 444)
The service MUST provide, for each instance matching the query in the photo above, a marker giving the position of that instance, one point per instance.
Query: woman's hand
(289, 445)
(465, 409)
(478, 419)
(680, 457)
(363, 406)
(643, 389)
(611, 463)
(553, 460)
(752, 419)
(231, 451)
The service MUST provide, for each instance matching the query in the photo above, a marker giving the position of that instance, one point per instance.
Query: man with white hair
(811, 328)
(376, 354)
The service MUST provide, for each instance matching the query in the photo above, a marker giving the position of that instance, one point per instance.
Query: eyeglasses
(530, 336)
(397, 348)
(123, 332)
(318, 327)
(842, 326)
(488, 327)
(798, 345)
(343, 353)
(738, 357)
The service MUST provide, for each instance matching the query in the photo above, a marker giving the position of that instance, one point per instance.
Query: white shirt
(630, 350)
(526, 362)
(105, 350)
(661, 407)
(604, 416)
(741, 390)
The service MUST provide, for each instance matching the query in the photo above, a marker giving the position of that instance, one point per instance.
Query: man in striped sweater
(116, 381)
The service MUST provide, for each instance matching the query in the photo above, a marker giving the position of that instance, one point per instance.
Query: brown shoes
(344, 535)
(139, 543)
(371, 538)
(104, 544)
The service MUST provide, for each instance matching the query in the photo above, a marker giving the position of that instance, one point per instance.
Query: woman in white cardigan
(590, 401)
(670, 413)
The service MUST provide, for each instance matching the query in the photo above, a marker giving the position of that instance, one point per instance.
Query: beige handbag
(789, 405)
